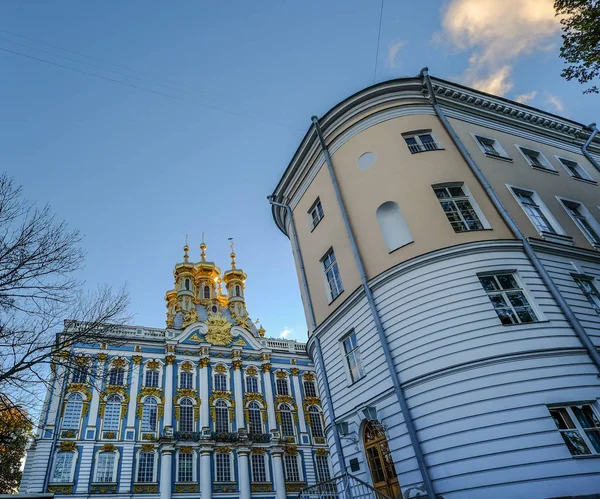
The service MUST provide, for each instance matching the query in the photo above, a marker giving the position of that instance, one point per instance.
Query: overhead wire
(378, 41)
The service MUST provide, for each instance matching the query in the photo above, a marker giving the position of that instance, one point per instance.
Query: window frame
(282, 382)
(586, 178)
(594, 303)
(577, 426)
(189, 407)
(319, 466)
(229, 456)
(553, 223)
(139, 462)
(346, 354)
(185, 385)
(287, 425)
(586, 214)
(311, 220)
(218, 410)
(146, 407)
(252, 412)
(74, 456)
(471, 199)
(497, 146)
(548, 167)
(313, 390)
(333, 265)
(192, 470)
(540, 317)
(118, 414)
(265, 467)
(296, 468)
(79, 418)
(419, 146)
(319, 417)
(115, 469)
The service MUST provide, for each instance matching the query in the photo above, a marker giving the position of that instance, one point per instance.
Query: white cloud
(393, 50)
(525, 98)
(497, 33)
(286, 332)
(555, 102)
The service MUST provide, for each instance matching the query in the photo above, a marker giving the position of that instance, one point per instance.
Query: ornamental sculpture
(219, 330)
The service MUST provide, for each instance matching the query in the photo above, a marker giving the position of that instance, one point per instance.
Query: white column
(279, 477)
(244, 469)
(298, 398)
(166, 464)
(57, 388)
(96, 388)
(168, 421)
(239, 395)
(205, 475)
(127, 468)
(133, 391)
(83, 480)
(204, 408)
(266, 368)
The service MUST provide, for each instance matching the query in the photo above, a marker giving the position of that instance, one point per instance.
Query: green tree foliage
(15, 430)
(581, 40)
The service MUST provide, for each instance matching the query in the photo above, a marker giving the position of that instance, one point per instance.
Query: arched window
(112, 413)
(251, 384)
(149, 414)
(152, 378)
(238, 291)
(186, 416)
(393, 227)
(287, 422)
(221, 382)
(282, 386)
(206, 292)
(116, 376)
(316, 423)
(309, 389)
(63, 467)
(146, 467)
(254, 418)
(105, 467)
(187, 284)
(186, 380)
(221, 417)
(72, 415)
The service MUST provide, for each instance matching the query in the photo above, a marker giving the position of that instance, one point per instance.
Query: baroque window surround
(228, 403)
(252, 372)
(105, 449)
(221, 370)
(146, 393)
(116, 365)
(68, 450)
(187, 368)
(189, 451)
(259, 453)
(292, 465)
(146, 449)
(153, 365)
(322, 465)
(223, 451)
(189, 394)
(110, 391)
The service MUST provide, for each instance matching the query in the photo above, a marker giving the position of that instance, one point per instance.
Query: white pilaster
(127, 468)
(278, 475)
(96, 388)
(59, 384)
(266, 368)
(84, 477)
(169, 391)
(239, 395)
(41, 461)
(205, 475)
(204, 421)
(133, 391)
(244, 471)
(298, 399)
(166, 465)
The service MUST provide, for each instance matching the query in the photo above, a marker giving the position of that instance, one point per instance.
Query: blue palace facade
(205, 407)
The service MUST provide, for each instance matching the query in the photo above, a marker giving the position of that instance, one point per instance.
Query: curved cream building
(446, 243)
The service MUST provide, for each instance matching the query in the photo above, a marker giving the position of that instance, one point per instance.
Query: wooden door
(381, 465)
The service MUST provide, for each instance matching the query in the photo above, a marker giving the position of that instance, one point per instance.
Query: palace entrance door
(380, 460)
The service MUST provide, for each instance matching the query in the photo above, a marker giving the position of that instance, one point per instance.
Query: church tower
(234, 283)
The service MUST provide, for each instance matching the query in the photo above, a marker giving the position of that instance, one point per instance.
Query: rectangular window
(590, 292)
(332, 274)
(508, 298)
(79, 375)
(579, 427)
(458, 207)
(316, 213)
(184, 473)
(353, 359)
(223, 468)
(583, 219)
(534, 209)
(322, 463)
(421, 141)
(536, 159)
(259, 472)
(490, 147)
(152, 378)
(291, 468)
(146, 467)
(63, 467)
(282, 386)
(309, 389)
(220, 382)
(251, 384)
(186, 380)
(105, 468)
(575, 169)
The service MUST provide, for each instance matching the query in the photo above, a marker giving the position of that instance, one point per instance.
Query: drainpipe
(529, 251)
(313, 323)
(410, 426)
(592, 127)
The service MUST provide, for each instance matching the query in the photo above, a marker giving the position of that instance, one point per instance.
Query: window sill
(334, 299)
(587, 456)
(428, 150)
(545, 321)
(545, 170)
(585, 180)
(557, 238)
(501, 158)
(473, 230)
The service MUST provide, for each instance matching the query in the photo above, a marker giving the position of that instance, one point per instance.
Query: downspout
(529, 251)
(592, 127)
(410, 426)
(313, 323)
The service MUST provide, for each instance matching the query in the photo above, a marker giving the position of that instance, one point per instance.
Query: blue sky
(230, 89)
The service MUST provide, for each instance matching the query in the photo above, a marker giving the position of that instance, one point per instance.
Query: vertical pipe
(584, 147)
(412, 432)
(529, 251)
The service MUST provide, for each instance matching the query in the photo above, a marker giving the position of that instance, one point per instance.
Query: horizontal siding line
(387, 394)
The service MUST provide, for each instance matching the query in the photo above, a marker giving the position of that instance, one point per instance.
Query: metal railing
(425, 146)
(341, 487)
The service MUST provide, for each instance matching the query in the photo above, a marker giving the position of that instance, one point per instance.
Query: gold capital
(170, 359)
(137, 359)
(266, 367)
(237, 364)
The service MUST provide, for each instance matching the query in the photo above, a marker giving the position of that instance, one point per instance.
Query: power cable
(378, 40)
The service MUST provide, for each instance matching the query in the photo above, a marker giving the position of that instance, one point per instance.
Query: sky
(142, 122)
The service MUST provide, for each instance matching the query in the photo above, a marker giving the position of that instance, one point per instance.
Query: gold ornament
(108, 448)
(67, 446)
(147, 447)
(308, 376)
(219, 330)
(266, 368)
(204, 362)
(221, 369)
(137, 359)
(223, 450)
(237, 364)
(251, 370)
(187, 367)
(169, 359)
(119, 362)
(102, 356)
(294, 371)
(281, 375)
(153, 365)
(259, 450)
(292, 450)
(186, 449)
